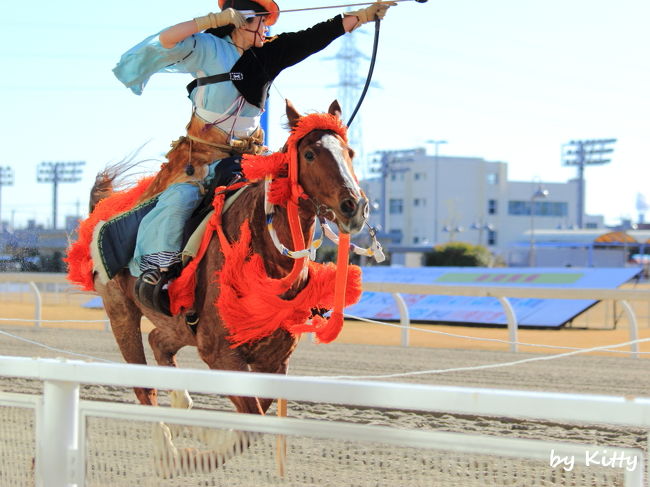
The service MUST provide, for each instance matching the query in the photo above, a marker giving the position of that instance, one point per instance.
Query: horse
(325, 186)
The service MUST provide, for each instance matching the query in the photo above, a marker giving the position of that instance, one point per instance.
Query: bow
(373, 58)
(374, 47)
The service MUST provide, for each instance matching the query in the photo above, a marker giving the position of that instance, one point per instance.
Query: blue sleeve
(140, 62)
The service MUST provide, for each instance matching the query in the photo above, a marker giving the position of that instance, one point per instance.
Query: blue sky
(506, 80)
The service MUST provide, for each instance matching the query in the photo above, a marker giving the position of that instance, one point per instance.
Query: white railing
(502, 293)
(31, 279)
(60, 415)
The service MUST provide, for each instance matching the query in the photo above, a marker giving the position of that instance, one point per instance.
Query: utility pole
(390, 162)
(6, 179)
(539, 193)
(436, 187)
(581, 153)
(55, 173)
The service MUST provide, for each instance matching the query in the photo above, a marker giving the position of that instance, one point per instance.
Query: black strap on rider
(217, 78)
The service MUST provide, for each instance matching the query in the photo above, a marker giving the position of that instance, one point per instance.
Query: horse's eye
(309, 155)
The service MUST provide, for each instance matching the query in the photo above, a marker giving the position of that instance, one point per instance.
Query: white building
(423, 200)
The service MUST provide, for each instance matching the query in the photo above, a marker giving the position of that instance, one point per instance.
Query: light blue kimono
(200, 55)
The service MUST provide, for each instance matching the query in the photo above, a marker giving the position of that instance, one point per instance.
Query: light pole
(6, 179)
(540, 193)
(581, 153)
(435, 143)
(390, 162)
(55, 173)
(452, 230)
(481, 226)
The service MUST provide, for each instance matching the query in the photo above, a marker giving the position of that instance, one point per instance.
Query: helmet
(256, 5)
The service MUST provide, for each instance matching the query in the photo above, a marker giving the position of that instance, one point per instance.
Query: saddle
(114, 242)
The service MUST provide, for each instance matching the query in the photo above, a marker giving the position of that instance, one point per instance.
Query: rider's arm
(349, 22)
(377, 11)
(176, 33)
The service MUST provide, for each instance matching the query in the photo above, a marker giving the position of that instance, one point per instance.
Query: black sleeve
(260, 66)
(292, 47)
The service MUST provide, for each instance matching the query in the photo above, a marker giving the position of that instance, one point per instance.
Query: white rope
(496, 340)
(392, 325)
(482, 367)
(24, 320)
(54, 349)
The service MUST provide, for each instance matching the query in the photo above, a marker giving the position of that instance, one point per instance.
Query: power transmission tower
(6, 179)
(55, 173)
(583, 153)
(349, 90)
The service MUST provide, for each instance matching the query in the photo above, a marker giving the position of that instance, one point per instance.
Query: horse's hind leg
(125, 317)
(164, 349)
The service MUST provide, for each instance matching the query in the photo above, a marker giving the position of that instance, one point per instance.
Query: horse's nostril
(348, 207)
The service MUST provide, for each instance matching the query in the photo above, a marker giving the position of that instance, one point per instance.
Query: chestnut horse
(326, 176)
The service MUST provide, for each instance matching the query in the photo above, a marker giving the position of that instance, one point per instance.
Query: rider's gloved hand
(369, 14)
(226, 17)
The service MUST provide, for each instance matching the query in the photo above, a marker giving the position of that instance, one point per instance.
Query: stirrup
(150, 290)
(192, 321)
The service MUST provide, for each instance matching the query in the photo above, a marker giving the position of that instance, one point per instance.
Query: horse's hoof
(180, 399)
(166, 455)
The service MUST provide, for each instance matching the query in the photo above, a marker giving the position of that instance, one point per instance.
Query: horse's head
(326, 174)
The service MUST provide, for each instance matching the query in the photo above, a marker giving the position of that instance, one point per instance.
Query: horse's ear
(335, 109)
(292, 114)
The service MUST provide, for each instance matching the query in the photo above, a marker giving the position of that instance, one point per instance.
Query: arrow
(331, 6)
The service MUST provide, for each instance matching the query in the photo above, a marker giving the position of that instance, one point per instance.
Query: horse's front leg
(165, 346)
(271, 356)
(215, 351)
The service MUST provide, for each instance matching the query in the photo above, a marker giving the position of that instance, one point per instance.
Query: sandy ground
(369, 349)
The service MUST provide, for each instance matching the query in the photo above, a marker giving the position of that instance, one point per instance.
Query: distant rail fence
(502, 293)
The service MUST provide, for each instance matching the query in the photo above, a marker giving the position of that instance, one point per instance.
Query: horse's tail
(112, 178)
(102, 188)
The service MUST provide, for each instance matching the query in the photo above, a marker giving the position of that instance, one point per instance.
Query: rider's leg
(158, 246)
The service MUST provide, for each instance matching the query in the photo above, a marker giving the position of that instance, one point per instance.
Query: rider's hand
(226, 17)
(376, 11)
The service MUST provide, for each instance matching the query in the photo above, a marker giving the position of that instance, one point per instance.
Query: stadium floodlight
(58, 172)
(6, 179)
(581, 153)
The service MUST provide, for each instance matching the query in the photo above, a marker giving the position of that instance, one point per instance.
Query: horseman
(234, 65)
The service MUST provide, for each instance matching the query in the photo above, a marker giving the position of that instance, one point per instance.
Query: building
(422, 200)
(34, 247)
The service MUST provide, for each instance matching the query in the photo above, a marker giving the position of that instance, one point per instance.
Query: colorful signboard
(531, 312)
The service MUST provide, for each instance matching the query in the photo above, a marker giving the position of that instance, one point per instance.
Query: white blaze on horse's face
(336, 149)
(332, 183)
